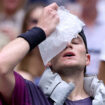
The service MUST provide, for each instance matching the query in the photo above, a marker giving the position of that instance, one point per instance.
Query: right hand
(49, 19)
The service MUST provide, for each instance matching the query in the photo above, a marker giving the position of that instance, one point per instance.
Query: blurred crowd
(17, 16)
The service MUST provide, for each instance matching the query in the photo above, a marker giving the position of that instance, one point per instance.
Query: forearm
(12, 54)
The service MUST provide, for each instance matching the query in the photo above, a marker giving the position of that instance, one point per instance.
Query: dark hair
(84, 39)
(85, 42)
(28, 13)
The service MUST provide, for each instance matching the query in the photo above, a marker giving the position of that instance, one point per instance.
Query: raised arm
(12, 54)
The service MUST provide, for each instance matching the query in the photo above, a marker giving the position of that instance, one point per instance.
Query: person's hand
(49, 19)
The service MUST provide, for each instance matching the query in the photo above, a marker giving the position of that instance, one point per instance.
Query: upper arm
(7, 84)
(10, 56)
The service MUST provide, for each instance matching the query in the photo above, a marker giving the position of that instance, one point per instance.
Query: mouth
(68, 54)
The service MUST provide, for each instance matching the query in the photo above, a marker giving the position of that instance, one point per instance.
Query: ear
(87, 59)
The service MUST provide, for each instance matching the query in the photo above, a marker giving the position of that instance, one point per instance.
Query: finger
(52, 12)
(53, 6)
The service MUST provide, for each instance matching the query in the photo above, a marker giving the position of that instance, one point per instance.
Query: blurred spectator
(101, 74)
(31, 66)
(74, 8)
(29, 2)
(94, 30)
(72, 0)
(101, 10)
(59, 2)
(11, 17)
(89, 11)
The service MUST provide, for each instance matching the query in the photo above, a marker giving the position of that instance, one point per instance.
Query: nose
(69, 45)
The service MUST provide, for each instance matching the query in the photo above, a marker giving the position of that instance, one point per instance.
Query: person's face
(73, 56)
(34, 17)
(11, 4)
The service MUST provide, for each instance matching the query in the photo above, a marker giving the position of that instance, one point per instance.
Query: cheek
(82, 50)
(82, 54)
(55, 62)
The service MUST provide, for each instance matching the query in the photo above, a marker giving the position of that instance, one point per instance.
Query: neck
(78, 79)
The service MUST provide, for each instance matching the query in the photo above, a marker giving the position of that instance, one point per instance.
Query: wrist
(34, 36)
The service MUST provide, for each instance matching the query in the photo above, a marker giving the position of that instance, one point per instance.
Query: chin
(69, 63)
(62, 67)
